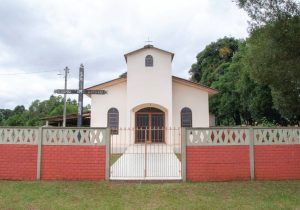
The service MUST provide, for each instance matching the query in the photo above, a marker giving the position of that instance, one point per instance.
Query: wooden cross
(80, 93)
(148, 41)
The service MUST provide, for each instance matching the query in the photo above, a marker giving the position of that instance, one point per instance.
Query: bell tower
(149, 79)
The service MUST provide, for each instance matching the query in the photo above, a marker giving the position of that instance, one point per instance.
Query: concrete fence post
(39, 153)
(183, 153)
(251, 153)
(107, 154)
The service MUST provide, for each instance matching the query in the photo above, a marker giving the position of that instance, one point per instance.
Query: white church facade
(149, 96)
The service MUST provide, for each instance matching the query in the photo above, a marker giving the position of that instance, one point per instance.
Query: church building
(149, 96)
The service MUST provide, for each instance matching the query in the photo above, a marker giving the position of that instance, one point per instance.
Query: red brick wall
(277, 162)
(73, 162)
(204, 163)
(18, 162)
(217, 163)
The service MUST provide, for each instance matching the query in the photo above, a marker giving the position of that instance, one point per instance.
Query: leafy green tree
(37, 110)
(16, 120)
(212, 69)
(208, 67)
(5, 114)
(263, 12)
(256, 99)
(226, 104)
(71, 109)
(273, 51)
(241, 99)
(18, 117)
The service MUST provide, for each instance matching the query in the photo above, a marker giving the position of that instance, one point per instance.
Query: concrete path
(160, 163)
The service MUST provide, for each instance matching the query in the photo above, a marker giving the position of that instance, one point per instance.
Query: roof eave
(106, 84)
(209, 90)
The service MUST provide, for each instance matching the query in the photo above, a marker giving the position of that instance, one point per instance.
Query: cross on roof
(148, 41)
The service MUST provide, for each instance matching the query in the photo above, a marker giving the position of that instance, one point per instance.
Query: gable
(147, 47)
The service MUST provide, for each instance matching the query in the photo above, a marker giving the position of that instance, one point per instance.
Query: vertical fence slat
(183, 153)
(107, 153)
(39, 153)
(251, 152)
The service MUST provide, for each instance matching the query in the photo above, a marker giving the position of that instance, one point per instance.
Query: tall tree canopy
(212, 61)
(241, 99)
(263, 12)
(273, 51)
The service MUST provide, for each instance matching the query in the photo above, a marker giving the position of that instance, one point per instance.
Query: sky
(38, 39)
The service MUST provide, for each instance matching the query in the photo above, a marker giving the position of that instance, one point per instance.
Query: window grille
(186, 117)
(149, 61)
(113, 120)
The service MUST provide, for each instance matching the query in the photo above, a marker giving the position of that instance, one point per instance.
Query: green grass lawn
(116, 195)
(114, 158)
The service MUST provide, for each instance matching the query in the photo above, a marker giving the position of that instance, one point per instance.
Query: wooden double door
(150, 126)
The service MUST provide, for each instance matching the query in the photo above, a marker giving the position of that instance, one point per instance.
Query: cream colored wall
(195, 99)
(115, 97)
(147, 86)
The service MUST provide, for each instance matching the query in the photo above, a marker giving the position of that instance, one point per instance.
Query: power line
(37, 72)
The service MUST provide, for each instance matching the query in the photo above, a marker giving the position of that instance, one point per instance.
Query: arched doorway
(150, 125)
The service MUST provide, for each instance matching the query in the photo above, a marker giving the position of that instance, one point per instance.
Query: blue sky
(39, 36)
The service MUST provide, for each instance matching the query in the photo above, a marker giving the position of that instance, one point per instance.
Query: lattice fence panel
(75, 136)
(19, 135)
(276, 136)
(217, 136)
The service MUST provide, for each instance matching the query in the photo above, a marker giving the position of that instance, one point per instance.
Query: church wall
(115, 97)
(149, 85)
(195, 99)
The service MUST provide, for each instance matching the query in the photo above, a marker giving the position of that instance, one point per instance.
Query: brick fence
(223, 154)
(18, 162)
(277, 162)
(53, 153)
(209, 154)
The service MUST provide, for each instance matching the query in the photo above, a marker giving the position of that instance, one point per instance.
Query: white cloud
(51, 34)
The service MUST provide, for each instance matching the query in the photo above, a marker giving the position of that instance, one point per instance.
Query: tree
(241, 99)
(226, 104)
(18, 117)
(71, 109)
(273, 51)
(37, 110)
(208, 67)
(211, 69)
(263, 12)
(5, 114)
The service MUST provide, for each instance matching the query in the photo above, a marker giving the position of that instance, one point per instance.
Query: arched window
(149, 61)
(113, 120)
(186, 117)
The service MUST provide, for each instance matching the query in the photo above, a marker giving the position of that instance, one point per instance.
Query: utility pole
(80, 93)
(65, 96)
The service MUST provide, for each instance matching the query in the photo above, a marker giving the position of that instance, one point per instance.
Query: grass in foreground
(112, 195)
(114, 158)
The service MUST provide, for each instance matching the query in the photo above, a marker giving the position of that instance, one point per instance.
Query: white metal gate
(135, 154)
